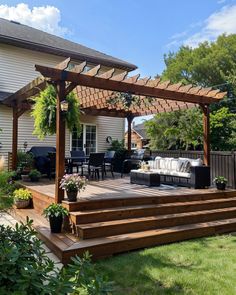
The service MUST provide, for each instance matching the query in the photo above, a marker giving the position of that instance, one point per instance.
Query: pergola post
(14, 137)
(60, 141)
(129, 119)
(206, 134)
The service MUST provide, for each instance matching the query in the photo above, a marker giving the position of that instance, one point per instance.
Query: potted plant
(22, 198)
(34, 175)
(55, 214)
(25, 163)
(220, 182)
(72, 184)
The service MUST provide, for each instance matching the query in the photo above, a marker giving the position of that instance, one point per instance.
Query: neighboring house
(21, 47)
(139, 138)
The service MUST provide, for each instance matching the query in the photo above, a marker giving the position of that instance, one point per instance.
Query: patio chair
(108, 162)
(94, 165)
(77, 162)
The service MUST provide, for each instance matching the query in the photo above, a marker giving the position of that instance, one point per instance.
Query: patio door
(86, 141)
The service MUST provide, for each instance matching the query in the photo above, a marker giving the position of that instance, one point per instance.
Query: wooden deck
(115, 189)
(114, 216)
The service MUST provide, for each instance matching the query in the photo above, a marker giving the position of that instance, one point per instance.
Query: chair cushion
(174, 164)
(157, 163)
(168, 163)
(183, 165)
(180, 174)
(196, 162)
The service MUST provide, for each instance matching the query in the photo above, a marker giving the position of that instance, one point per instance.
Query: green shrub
(22, 194)
(24, 160)
(28, 270)
(34, 174)
(7, 186)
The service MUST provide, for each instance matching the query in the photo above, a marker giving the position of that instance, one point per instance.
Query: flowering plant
(73, 182)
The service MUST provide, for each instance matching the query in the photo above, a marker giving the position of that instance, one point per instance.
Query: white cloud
(223, 21)
(220, 22)
(46, 18)
(221, 1)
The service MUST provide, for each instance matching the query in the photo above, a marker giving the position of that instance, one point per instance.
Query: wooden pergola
(94, 89)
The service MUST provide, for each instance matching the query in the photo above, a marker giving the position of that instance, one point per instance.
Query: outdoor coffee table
(148, 178)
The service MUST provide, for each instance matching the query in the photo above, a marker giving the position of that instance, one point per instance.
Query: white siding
(16, 70)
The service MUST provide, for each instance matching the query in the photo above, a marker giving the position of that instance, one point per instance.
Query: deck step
(104, 203)
(101, 247)
(117, 227)
(101, 215)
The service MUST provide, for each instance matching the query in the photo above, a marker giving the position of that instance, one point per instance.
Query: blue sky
(139, 31)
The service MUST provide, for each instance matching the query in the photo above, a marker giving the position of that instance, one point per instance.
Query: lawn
(203, 266)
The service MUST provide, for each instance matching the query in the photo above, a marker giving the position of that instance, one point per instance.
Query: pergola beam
(161, 91)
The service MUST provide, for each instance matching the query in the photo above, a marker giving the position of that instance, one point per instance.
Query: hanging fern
(44, 113)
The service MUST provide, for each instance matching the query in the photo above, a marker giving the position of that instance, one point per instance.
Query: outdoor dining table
(71, 160)
(81, 160)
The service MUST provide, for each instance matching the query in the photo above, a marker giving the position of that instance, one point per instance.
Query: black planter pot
(72, 196)
(34, 179)
(55, 223)
(221, 186)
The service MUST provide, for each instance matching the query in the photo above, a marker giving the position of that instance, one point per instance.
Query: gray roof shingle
(141, 130)
(4, 95)
(14, 33)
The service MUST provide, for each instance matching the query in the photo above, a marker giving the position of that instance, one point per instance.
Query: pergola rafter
(94, 89)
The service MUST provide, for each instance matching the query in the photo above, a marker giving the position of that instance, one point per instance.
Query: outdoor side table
(148, 178)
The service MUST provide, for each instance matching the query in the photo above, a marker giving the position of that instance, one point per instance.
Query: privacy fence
(222, 163)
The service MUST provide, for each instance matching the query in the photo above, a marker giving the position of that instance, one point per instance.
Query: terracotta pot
(72, 195)
(55, 223)
(221, 186)
(20, 204)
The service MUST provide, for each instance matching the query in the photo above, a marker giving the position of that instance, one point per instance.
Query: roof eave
(66, 53)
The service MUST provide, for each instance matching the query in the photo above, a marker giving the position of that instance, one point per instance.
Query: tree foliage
(184, 130)
(44, 113)
(176, 130)
(209, 65)
(26, 269)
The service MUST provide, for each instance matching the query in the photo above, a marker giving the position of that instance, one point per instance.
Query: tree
(176, 130)
(209, 65)
(183, 130)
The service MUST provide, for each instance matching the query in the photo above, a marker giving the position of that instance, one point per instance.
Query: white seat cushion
(196, 162)
(180, 174)
(174, 164)
(157, 162)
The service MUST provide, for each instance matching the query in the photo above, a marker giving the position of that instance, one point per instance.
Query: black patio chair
(79, 160)
(94, 165)
(109, 162)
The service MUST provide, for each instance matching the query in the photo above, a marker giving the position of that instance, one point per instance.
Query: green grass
(203, 266)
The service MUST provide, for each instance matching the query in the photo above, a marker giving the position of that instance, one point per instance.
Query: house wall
(135, 138)
(16, 70)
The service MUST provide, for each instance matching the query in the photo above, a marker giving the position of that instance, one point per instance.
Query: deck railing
(222, 162)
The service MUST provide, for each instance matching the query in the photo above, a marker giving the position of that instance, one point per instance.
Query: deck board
(117, 199)
(116, 188)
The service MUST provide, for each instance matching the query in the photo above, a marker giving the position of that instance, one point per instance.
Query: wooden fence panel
(222, 163)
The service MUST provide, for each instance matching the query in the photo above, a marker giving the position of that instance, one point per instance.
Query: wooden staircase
(110, 226)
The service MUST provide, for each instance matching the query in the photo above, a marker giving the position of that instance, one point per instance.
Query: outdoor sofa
(182, 171)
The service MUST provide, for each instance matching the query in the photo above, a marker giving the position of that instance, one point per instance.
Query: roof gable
(24, 36)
